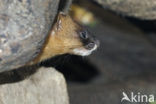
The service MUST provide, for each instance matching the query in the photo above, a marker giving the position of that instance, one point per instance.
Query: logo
(137, 97)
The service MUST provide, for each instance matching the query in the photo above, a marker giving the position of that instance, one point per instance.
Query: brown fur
(62, 39)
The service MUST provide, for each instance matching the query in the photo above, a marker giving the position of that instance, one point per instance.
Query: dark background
(125, 61)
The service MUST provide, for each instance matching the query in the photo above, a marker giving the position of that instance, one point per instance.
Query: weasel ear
(61, 16)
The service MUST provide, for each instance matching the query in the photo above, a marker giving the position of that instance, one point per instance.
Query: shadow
(148, 26)
(64, 5)
(74, 68)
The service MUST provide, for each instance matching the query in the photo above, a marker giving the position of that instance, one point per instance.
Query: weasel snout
(89, 43)
(92, 44)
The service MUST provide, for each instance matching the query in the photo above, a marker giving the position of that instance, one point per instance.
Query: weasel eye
(84, 35)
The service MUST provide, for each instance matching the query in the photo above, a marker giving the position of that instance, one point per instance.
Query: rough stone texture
(46, 86)
(143, 9)
(24, 24)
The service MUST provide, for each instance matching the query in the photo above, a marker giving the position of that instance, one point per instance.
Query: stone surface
(24, 25)
(46, 86)
(143, 9)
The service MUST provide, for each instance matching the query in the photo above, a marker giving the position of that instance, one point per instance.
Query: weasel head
(70, 37)
(88, 43)
(73, 38)
(67, 36)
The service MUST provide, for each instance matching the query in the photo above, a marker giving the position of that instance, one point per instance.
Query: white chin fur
(83, 51)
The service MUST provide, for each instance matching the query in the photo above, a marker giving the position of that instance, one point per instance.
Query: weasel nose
(92, 44)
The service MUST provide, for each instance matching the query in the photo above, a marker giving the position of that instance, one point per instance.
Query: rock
(143, 9)
(46, 86)
(24, 25)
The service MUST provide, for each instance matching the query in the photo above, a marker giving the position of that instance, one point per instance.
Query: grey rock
(24, 25)
(46, 86)
(143, 9)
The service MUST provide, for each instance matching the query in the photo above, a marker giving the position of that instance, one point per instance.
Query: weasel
(67, 36)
